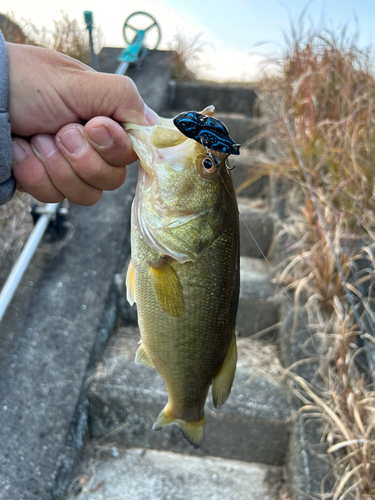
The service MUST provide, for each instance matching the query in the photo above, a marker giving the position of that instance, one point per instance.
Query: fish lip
(154, 155)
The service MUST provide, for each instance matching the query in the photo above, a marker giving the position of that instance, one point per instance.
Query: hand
(50, 97)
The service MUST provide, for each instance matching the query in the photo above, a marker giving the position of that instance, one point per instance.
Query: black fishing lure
(209, 131)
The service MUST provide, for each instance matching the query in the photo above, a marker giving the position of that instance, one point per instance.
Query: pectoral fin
(167, 288)
(222, 383)
(142, 357)
(130, 283)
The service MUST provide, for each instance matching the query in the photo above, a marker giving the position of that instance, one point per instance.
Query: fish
(184, 270)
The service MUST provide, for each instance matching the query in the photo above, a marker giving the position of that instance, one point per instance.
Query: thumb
(103, 94)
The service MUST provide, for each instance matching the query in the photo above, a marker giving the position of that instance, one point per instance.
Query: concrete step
(256, 228)
(126, 398)
(245, 168)
(55, 328)
(258, 308)
(227, 98)
(139, 474)
(243, 129)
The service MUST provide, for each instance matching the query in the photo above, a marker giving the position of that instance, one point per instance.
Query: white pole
(26, 255)
(121, 70)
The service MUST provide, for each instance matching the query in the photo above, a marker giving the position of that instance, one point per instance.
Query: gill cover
(177, 206)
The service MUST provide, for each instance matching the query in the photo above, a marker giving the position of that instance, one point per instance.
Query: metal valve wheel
(151, 29)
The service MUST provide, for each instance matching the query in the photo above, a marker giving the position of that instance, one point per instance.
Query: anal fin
(142, 357)
(222, 383)
(167, 288)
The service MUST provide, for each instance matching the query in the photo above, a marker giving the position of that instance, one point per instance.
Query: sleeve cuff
(7, 190)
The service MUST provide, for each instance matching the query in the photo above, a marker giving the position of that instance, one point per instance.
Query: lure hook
(214, 160)
(227, 164)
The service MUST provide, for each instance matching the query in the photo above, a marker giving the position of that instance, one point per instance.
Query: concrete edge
(307, 463)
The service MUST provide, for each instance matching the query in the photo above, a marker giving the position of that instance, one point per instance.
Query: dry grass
(323, 107)
(11, 30)
(320, 117)
(188, 56)
(347, 408)
(69, 36)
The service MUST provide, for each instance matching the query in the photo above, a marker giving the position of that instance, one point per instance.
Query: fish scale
(200, 355)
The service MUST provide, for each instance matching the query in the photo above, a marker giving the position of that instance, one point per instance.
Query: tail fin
(193, 431)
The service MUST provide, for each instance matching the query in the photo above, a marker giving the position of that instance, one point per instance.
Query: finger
(62, 174)
(30, 174)
(110, 140)
(86, 162)
(105, 94)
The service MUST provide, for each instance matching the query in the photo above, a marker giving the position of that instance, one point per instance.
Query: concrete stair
(242, 128)
(245, 168)
(256, 228)
(258, 309)
(226, 98)
(126, 398)
(154, 475)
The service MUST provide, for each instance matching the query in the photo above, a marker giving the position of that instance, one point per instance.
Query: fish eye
(208, 165)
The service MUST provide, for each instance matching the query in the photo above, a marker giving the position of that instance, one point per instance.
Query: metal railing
(46, 212)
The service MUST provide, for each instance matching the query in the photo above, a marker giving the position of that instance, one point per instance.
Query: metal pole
(89, 20)
(121, 70)
(26, 255)
(94, 57)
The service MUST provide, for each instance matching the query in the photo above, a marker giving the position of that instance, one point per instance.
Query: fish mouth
(156, 144)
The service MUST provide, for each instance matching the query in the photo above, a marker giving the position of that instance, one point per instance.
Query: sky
(238, 35)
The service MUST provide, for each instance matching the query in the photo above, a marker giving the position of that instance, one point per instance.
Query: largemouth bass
(184, 272)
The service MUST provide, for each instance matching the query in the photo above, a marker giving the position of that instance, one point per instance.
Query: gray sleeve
(7, 182)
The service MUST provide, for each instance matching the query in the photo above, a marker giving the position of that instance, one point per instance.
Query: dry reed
(320, 128)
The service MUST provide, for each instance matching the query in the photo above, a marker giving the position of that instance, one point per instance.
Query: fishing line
(348, 292)
(266, 260)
